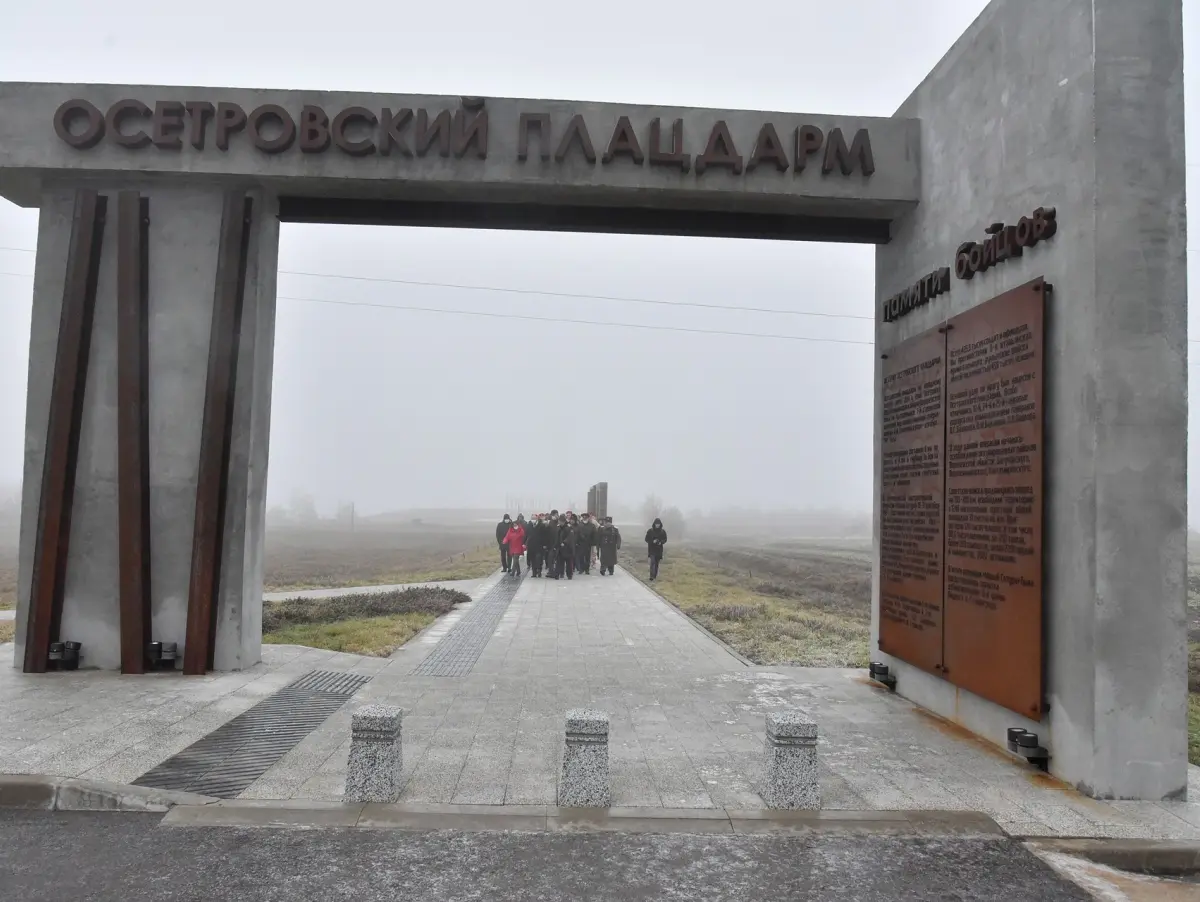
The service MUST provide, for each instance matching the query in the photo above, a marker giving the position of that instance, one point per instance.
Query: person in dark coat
(656, 538)
(550, 545)
(544, 545)
(533, 545)
(608, 540)
(502, 529)
(585, 541)
(566, 547)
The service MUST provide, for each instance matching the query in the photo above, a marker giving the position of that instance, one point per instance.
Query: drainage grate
(329, 681)
(233, 756)
(460, 648)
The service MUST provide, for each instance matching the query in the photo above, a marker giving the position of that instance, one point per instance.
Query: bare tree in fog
(651, 508)
(672, 517)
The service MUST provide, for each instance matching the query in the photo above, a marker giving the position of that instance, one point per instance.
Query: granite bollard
(791, 780)
(584, 779)
(376, 755)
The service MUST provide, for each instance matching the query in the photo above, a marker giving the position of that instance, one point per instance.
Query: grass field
(312, 558)
(375, 636)
(326, 558)
(366, 623)
(802, 602)
(8, 566)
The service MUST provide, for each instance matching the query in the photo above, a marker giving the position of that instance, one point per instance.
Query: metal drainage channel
(233, 756)
(460, 648)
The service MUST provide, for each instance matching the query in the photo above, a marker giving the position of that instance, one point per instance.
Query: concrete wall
(183, 240)
(1077, 104)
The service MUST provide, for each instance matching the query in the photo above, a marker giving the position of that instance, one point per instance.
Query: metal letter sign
(961, 501)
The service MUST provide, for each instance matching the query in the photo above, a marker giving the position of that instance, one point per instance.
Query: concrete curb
(414, 816)
(33, 792)
(746, 662)
(1163, 858)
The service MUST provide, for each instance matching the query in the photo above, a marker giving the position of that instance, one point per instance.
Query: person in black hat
(608, 540)
(566, 547)
(585, 541)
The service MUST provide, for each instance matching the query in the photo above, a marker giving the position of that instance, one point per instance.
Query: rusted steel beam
(217, 434)
(62, 433)
(133, 426)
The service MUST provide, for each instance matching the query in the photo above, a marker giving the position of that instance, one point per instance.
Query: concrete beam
(555, 168)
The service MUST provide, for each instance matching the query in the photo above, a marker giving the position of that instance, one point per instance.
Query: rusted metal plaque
(911, 516)
(994, 500)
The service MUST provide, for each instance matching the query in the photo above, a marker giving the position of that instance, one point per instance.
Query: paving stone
(632, 785)
(532, 788)
(323, 787)
(484, 777)
(1157, 816)
(436, 776)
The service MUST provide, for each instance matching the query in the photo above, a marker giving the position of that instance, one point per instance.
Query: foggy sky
(396, 409)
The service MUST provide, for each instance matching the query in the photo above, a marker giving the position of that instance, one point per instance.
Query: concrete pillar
(791, 779)
(1078, 105)
(183, 240)
(373, 771)
(583, 782)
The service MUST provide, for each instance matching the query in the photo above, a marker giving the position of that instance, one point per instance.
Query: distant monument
(597, 503)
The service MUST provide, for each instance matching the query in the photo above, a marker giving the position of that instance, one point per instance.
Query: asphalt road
(128, 857)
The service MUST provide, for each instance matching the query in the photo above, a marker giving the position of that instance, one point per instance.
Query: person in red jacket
(514, 540)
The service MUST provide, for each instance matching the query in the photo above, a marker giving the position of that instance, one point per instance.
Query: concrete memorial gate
(1027, 205)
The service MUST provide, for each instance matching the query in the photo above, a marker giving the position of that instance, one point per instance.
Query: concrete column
(1078, 105)
(183, 239)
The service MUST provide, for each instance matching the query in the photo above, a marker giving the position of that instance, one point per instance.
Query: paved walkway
(687, 722)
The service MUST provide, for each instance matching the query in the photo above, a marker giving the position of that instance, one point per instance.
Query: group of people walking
(558, 545)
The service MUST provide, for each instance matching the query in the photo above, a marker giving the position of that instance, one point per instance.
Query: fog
(496, 395)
